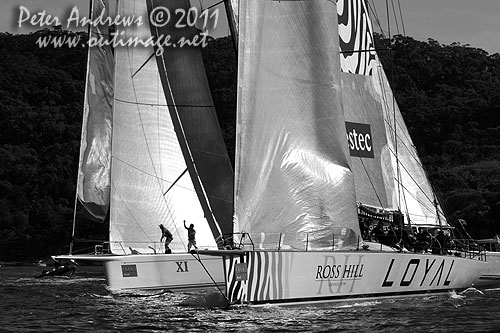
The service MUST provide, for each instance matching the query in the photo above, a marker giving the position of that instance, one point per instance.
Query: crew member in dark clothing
(379, 233)
(191, 236)
(443, 242)
(165, 233)
(423, 241)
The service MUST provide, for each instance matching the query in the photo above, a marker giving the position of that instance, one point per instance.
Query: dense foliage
(449, 96)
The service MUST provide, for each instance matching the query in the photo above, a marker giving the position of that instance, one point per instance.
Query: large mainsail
(387, 170)
(93, 184)
(169, 163)
(293, 184)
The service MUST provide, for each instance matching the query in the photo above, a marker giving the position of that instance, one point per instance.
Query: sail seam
(131, 215)
(158, 104)
(162, 179)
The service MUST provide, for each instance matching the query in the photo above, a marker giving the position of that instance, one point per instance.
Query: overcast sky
(474, 22)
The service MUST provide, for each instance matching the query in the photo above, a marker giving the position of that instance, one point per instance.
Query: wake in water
(139, 293)
(361, 304)
(472, 290)
(212, 299)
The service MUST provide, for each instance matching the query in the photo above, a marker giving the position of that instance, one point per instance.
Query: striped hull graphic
(264, 276)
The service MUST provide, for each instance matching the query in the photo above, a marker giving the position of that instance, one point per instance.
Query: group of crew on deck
(420, 242)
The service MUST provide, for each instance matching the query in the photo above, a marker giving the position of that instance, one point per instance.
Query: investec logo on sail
(359, 138)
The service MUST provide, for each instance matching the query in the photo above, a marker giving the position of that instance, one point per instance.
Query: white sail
(293, 183)
(155, 179)
(387, 170)
(93, 184)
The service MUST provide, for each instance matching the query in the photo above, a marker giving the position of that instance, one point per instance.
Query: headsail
(169, 162)
(293, 181)
(387, 170)
(93, 184)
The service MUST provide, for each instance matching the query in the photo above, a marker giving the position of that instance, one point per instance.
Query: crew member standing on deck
(191, 236)
(165, 233)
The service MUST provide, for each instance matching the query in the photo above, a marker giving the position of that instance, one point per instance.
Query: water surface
(82, 303)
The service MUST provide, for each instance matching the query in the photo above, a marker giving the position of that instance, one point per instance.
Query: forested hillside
(449, 97)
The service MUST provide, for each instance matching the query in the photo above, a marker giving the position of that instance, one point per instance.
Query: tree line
(448, 95)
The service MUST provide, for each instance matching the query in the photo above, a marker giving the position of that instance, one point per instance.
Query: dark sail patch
(360, 140)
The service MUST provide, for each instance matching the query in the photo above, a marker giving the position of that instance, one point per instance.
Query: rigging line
(175, 182)
(215, 4)
(414, 181)
(412, 152)
(395, 16)
(422, 203)
(209, 152)
(373, 186)
(401, 16)
(144, 64)
(405, 136)
(373, 10)
(410, 149)
(167, 105)
(162, 179)
(130, 212)
(398, 172)
(197, 257)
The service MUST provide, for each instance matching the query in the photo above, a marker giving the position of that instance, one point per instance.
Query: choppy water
(82, 303)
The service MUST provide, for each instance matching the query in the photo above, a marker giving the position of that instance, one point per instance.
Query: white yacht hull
(175, 272)
(491, 276)
(260, 277)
